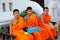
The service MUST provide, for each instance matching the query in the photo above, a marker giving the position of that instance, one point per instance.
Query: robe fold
(54, 31)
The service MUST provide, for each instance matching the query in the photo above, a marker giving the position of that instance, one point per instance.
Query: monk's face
(45, 11)
(29, 12)
(16, 14)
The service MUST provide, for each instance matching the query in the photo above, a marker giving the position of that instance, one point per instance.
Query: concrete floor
(58, 36)
(56, 39)
(0, 38)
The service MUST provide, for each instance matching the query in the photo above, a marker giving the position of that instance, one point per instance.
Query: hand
(51, 26)
(46, 25)
(10, 32)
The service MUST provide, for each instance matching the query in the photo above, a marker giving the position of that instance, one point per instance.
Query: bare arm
(42, 19)
(25, 18)
(10, 26)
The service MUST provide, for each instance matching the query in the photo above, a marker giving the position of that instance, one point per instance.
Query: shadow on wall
(40, 2)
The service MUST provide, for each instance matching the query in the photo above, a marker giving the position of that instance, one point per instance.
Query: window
(10, 6)
(4, 7)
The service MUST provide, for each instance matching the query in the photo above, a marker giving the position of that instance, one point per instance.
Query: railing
(6, 35)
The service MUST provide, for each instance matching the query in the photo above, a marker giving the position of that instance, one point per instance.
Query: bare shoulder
(25, 17)
(11, 21)
(41, 15)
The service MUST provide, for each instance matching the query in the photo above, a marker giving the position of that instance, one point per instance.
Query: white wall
(51, 4)
(20, 4)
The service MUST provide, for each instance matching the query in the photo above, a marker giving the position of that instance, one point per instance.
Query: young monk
(31, 22)
(16, 27)
(43, 22)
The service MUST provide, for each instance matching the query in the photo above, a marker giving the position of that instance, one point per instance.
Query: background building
(7, 7)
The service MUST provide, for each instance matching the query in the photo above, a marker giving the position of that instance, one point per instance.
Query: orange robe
(18, 32)
(47, 19)
(31, 23)
(54, 31)
(44, 34)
